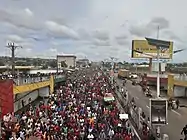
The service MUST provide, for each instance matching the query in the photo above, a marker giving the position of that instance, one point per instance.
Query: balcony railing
(32, 78)
(28, 80)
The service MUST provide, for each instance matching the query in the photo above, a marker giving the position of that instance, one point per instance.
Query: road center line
(176, 112)
(147, 106)
(137, 98)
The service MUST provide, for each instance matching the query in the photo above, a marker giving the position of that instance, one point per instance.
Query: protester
(184, 132)
(76, 111)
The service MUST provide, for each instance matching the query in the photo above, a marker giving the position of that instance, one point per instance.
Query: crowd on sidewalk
(76, 111)
(138, 117)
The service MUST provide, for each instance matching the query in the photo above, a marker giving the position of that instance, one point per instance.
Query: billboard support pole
(158, 73)
(158, 85)
(158, 77)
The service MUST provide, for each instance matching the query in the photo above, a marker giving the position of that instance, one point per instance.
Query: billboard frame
(150, 114)
(145, 50)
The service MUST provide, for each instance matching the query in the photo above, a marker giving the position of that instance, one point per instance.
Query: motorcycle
(172, 104)
(148, 94)
(134, 83)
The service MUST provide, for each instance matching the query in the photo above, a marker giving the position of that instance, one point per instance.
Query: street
(176, 118)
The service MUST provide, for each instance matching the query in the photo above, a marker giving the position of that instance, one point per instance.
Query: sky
(93, 29)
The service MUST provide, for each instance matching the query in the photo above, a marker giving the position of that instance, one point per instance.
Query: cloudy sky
(95, 29)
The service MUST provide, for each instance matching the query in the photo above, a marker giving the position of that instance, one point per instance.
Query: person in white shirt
(90, 136)
(7, 117)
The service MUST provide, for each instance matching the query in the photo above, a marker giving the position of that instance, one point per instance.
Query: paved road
(176, 119)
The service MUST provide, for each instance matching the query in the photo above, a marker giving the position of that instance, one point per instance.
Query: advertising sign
(158, 111)
(141, 49)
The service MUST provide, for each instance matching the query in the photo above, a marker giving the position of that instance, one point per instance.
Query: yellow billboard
(141, 49)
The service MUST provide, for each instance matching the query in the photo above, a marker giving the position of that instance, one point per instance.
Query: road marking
(137, 98)
(176, 112)
(147, 106)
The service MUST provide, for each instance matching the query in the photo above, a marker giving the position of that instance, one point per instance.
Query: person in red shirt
(127, 137)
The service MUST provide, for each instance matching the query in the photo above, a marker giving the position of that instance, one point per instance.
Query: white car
(133, 76)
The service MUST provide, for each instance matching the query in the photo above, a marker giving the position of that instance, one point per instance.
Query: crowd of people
(138, 117)
(27, 75)
(75, 111)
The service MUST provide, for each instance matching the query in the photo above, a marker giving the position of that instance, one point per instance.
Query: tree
(22, 63)
(52, 63)
(44, 67)
(2, 63)
(36, 62)
(125, 63)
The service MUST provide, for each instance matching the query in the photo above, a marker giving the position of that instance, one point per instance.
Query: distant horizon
(132, 60)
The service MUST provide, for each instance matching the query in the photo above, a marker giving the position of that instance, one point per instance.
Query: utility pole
(12, 47)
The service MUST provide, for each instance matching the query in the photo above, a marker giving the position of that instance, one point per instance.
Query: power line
(13, 47)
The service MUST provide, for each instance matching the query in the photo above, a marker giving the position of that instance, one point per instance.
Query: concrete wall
(44, 92)
(180, 91)
(33, 95)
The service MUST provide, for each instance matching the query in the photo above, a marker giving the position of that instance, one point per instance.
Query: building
(82, 62)
(66, 61)
(18, 69)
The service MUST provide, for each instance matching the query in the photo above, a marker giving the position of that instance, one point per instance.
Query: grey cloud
(149, 28)
(170, 35)
(20, 18)
(84, 34)
(19, 40)
(98, 42)
(101, 35)
(121, 40)
(15, 38)
(81, 55)
(61, 31)
(122, 37)
(113, 48)
(159, 21)
(139, 30)
(93, 47)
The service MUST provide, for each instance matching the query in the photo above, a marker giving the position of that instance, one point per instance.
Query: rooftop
(66, 55)
(17, 67)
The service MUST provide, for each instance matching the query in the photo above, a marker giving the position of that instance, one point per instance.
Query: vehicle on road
(133, 76)
(134, 83)
(172, 103)
(148, 94)
(123, 74)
